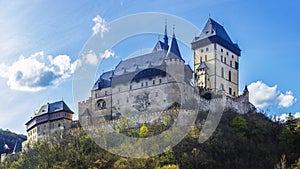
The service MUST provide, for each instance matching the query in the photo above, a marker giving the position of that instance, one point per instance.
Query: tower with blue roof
(216, 60)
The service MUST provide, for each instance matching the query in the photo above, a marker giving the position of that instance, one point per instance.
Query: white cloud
(286, 100)
(262, 95)
(91, 58)
(107, 54)
(100, 25)
(37, 72)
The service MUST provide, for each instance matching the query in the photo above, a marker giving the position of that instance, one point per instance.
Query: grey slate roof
(104, 80)
(202, 66)
(155, 59)
(213, 32)
(217, 30)
(149, 60)
(52, 108)
(160, 46)
(174, 51)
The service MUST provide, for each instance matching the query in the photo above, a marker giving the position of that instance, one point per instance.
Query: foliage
(10, 138)
(240, 141)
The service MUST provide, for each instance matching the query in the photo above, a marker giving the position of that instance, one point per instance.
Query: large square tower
(216, 60)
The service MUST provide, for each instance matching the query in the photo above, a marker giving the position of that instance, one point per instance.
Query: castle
(46, 120)
(161, 79)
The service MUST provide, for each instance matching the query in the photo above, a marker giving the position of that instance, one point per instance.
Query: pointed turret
(174, 51)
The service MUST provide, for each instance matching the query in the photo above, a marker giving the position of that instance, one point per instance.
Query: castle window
(146, 84)
(201, 50)
(230, 90)
(221, 58)
(227, 53)
(234, 93)
(142, 84)
(104, 104)
(58, 124)
(221, 50)
(222, 72)
(130, 87)
(236, 65)
(230, 63)
(222, 87)
(225, 60)
(206, 49)
(160, 81)
(232, 56)
(205, 58)
(229, 75)
(105, 93)
(153, 81)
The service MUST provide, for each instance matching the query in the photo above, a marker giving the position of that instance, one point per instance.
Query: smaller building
(48, 119)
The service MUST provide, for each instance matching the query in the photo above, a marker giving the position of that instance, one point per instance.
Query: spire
(166, 37)
(174, 51)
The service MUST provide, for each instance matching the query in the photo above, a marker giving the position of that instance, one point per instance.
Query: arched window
(104, 105)
(222, 87)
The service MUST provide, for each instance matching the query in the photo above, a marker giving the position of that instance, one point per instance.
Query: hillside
(10, 138)
(240, 141)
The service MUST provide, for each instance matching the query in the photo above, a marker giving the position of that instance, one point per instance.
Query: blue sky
(40, 42)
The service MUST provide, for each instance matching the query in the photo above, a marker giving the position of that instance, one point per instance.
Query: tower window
(229, 75)
(221, 50)
(225, 60)
(160, 81)
(130, 87)
(221, 58)
(206, 49)
(104, 104)
(146, 84)
(222, 72)
(230, 90)
(227, 53)
(142, 84)
(105, 93)
(230, 63)
(153, 82)
(201, 50)
(232, 56)
(236, 65)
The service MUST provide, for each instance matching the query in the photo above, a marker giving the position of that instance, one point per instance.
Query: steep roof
(202, 66)
(213, 32)
(160, 46)
(104, 80)
(213, 28)
(174, 51)
(140, 62)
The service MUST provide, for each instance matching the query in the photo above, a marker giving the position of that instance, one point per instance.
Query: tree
(143, 130)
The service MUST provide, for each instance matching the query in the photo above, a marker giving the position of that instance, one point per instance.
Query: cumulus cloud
(100, 25)
(286, 100)
(91, 57)
(37, 72)
(262, 95)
